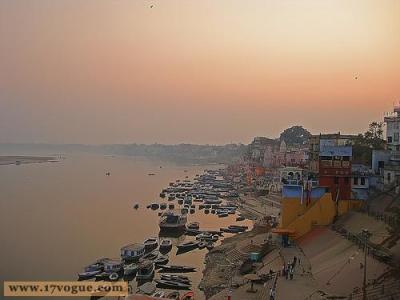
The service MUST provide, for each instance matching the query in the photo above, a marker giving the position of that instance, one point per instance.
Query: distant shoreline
(19, 159)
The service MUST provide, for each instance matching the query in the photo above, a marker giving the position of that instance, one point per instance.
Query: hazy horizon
(200, 72)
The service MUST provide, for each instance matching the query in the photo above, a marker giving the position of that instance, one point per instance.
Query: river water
(55, 218)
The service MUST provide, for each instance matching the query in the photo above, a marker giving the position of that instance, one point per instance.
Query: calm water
(56, 218)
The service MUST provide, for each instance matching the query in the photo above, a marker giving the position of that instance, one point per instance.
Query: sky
(209, 71)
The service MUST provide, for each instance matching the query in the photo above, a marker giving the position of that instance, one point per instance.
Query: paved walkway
(303, 285)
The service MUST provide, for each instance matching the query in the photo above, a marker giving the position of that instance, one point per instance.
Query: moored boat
(172, 220)
(185, 246)
(194, 225)
(132, 252)
(177, 269)
(150, 244)
(130, 269)
(88, 275)
(165, 246)
(145, 271)
(161, 260)
(172, 284)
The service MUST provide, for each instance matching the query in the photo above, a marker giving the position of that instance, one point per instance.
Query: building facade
(335, 170)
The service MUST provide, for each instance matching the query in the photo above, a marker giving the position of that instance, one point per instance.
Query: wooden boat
(102, 276)
(175, 285)
(230, 230)
(150, 244)
(173, 277)
(163, 206)
(145, 271)
(151, 255)
(206, 211)
(162, 195)
(194, 225)
(165, 246)
(222, 215)
(202, 245)
(188, 245)
(192, 232)
(88, 275)
(171, 206)
(161, 260)
(240, 218)
(238, 227)
(192, 211)
(204, 236)
(130, 269)
(154, 206)
(177, 269)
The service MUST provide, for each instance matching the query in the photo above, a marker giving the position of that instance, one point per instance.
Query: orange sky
(95, 71)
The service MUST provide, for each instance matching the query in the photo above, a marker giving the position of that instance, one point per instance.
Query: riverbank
(17, 160)
(329, 264)
(225, 264)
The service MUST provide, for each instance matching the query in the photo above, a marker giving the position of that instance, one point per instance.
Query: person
(291, 273)
(271, 294)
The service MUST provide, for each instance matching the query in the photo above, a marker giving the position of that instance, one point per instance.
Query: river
(57, 217)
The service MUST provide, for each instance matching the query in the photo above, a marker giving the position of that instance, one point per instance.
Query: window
(362, 180)
(396, 137)
(381, 164)
(336, 180)
(355, 181)
(389, 139)
(388, 177)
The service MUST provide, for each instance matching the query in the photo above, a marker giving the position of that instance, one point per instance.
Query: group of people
(288, 270)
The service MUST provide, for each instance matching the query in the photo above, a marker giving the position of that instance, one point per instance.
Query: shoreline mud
(17, 160)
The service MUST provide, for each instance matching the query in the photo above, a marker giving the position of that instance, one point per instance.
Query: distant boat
(108, 173)
(136, 206)
(151, 174)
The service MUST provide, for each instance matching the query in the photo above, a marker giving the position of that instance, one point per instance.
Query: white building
(392, 121)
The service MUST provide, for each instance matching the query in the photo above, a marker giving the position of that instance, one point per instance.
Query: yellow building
(298, 217)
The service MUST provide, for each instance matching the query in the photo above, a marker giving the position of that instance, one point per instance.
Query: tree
(295, 135)
(374, 136)
(372, 139)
